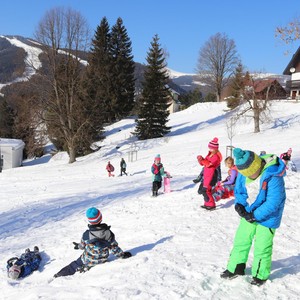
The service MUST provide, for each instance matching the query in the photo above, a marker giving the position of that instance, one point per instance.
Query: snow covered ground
(178, 249)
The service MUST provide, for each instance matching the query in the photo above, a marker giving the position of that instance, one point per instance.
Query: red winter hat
(157, 157)
(213, 144)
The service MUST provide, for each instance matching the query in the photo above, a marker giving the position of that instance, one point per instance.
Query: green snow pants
(263, 246)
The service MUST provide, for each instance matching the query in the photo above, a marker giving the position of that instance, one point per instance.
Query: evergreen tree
(237, 86)
(99, 76)
(192, 97)
(122, 71)
(154, 101)
(6, 119)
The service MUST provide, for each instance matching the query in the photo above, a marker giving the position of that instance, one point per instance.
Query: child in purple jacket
(224, 189)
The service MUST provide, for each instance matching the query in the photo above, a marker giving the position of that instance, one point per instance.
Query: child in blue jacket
(259, 201)
(24, 265)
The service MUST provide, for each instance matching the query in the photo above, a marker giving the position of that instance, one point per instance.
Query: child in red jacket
(110, 168)
(210, 174)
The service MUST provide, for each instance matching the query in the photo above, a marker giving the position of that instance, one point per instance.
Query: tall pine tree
(110, 74)
(6, 119)
(122, 70)
(237, 87)
(154, 102)
(99, 75)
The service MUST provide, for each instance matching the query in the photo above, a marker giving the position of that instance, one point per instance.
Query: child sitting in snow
(97, 242)
(224, 189)
(24, 265)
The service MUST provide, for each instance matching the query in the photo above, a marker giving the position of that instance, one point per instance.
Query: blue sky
(183, 26)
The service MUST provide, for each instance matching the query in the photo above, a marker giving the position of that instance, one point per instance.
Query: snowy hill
(178, 249)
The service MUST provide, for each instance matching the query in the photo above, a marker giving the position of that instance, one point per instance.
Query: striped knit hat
(247, 162)
(94, 215)
(213, 144)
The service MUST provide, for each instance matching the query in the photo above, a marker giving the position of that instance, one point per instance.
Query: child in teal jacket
(158, 172)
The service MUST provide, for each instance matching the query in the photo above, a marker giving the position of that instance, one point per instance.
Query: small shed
(11, 153)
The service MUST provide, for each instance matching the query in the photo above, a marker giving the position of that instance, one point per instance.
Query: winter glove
(199, 158)
(12, 261)
(126, 255)
(249, 217)
(240, 209)
(205, 163)
(76, 245)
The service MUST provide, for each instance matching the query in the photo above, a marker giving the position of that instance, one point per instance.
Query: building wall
(295, 76)
(12, 154)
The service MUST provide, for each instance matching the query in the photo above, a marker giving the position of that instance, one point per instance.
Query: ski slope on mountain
(179, 249)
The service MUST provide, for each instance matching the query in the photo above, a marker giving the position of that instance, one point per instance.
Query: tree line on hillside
(69, 102)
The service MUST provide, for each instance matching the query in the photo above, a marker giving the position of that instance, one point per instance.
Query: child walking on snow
(210, 173)
(123, 167)
(224, 189)
(110, 168)
(96, 242)
(24, 265)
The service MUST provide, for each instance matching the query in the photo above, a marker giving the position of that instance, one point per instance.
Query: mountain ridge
(18, 53)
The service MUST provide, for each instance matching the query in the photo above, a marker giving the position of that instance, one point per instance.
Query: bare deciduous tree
(217, 61)
(231, 126)
(289, 33)
(256, 105)
(65, 34)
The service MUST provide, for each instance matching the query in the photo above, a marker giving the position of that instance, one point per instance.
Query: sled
(167, 183)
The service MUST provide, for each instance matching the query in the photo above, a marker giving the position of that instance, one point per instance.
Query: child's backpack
(112, 168)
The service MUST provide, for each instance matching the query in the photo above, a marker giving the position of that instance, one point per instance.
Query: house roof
(260, 85)
(13, 143)
(293, 62)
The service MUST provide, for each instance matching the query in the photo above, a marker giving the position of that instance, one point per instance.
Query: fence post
(229, 150)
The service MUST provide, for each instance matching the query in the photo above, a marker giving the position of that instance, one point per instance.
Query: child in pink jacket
(210, 174)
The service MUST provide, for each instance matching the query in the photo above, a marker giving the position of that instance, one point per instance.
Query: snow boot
(257, 281)
(239, 271)
(208, 207)
(36, 249)
(154, 193)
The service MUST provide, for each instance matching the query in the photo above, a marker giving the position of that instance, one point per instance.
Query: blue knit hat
(247, 162)
(94, 215)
